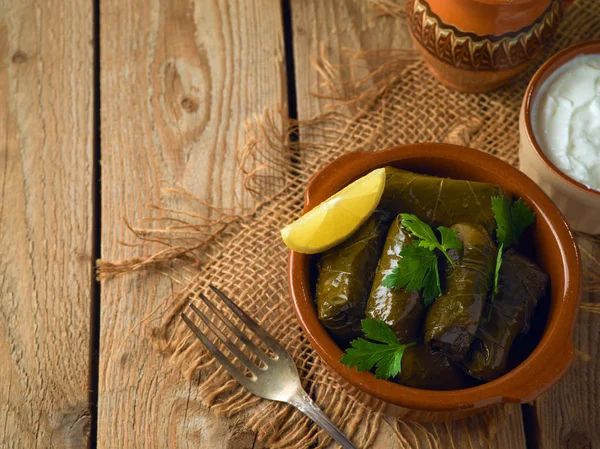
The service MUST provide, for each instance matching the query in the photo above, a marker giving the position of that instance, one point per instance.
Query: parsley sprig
(385, 355)
(497, 269)
(417, 268)
(428, 238)
(511, 220)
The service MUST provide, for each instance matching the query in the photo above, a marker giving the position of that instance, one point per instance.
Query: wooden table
(100, 102)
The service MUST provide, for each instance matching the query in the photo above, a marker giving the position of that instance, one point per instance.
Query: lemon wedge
(336, 218)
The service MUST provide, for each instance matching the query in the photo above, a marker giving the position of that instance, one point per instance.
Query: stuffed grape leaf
(422, 368)
(345, 276)
(439, 201)
(453, 318)
(521, 284)
(403, 311)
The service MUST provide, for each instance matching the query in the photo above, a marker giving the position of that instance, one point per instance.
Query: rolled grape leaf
(345, 276)
(401, 310)
(453, 318)
(422, 368)
(521, 285)
(439, 201)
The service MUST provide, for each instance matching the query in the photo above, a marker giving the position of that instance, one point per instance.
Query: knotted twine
(241, 251)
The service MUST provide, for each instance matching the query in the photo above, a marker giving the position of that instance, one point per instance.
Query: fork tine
(233, 371)
(253, 325)
(232, 347)
(249, 343)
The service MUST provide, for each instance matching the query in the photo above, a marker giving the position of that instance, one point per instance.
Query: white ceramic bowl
(579, 204)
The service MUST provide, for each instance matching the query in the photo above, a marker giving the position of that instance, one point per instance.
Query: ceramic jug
(479, 45)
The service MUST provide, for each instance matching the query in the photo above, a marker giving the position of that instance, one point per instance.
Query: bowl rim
(542, 74)
(518, 385)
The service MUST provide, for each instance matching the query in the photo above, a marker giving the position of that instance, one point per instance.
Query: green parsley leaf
(511, 219)
(419, 229)
(432, 288)
(379, 331)
(449, 238)
(417, 270)
(497, 270)
(428, 238)
(501, 209)
(385, 356)
(521, 217)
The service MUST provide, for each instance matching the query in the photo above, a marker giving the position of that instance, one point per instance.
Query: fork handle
(302, 401)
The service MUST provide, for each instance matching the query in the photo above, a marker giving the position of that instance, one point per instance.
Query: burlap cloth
(243, 254)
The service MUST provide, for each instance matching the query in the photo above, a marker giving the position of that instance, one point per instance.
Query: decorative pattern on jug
(471, 51)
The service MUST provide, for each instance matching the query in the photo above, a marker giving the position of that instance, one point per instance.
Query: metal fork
(276, 379)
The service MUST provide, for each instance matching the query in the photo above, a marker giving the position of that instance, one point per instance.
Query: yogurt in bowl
(560, 133)
(566, 119)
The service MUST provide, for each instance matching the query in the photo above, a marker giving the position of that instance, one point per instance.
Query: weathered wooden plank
(178, 80)
(569, 413)
(46, 231)
(334, 30)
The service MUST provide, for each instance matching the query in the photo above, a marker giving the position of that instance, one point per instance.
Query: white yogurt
(566, 119)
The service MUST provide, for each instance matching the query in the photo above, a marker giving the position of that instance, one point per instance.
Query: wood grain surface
(335, 30)
(46, 160)
(178, 80)
(568, 414)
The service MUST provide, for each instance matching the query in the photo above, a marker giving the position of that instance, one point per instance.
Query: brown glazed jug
(479, 45)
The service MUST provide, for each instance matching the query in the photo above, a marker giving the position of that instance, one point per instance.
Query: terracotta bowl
(556, 252)
(579, 204)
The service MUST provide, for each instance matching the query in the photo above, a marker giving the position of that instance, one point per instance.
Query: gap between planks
(96, 230)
